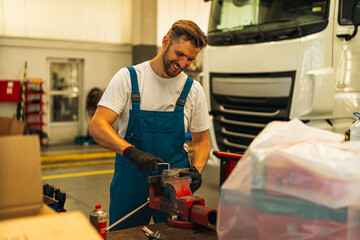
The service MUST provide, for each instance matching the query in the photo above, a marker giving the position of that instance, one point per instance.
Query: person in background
(155, 104)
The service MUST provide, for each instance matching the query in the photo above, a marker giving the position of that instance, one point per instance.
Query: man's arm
(101, 130)
(201, 144)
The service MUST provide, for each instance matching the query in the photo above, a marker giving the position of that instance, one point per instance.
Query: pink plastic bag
(293, 182)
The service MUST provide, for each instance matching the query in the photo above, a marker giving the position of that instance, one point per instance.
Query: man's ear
(165, 41)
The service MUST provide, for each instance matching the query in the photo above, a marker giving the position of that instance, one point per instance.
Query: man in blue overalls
(155, 104)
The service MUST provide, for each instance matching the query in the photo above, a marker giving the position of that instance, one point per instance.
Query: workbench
(166, 232)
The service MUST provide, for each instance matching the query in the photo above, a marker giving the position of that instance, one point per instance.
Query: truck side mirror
(355, 19)
(356, 14)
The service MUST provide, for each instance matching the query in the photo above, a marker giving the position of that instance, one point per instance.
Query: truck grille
(241, 115)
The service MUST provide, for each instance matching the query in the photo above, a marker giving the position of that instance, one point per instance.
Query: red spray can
(98, 218)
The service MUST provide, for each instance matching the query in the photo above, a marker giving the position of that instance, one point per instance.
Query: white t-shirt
(156, 94)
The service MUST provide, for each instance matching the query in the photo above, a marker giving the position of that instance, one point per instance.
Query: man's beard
(167, 65)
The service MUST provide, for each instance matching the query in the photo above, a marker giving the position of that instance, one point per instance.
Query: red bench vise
(185, 210)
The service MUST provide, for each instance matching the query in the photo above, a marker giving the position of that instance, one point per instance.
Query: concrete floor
(87, 182)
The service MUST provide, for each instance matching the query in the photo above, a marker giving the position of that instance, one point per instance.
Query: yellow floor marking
(76, 164)
(78, 174)
(74, 151)
(100, 150)
(83, 156)
(71, 157)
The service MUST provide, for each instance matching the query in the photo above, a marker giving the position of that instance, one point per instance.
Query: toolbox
(227, 163)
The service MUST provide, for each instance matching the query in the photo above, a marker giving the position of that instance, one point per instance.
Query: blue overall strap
(180, 103)
(135, 95)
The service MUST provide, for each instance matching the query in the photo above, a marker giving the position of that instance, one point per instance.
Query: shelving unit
(34, 111)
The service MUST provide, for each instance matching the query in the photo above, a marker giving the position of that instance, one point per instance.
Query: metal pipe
(126, 216)
(203, 215)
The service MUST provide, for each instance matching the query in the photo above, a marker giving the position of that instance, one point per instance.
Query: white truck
(278, 60)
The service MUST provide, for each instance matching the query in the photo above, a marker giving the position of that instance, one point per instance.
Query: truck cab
(277, 60)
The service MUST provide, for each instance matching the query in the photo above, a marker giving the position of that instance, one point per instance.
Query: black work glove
(143, 161)
(196, 179)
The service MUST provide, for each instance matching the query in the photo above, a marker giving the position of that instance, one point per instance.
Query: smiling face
(177, 56)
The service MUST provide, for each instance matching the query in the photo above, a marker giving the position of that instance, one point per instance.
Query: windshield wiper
(223, 36)
(293, 20)
(263, 36)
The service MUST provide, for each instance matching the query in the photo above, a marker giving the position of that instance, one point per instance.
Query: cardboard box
(22, 212)
(9, 126)
(44, 226)
(20, 176)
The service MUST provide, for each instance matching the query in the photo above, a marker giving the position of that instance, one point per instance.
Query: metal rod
(165, 164)
(126, 216)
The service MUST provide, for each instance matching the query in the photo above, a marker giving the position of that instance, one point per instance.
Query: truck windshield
(250, 21)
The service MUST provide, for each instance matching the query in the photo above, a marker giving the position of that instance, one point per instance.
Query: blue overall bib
(159, 133)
